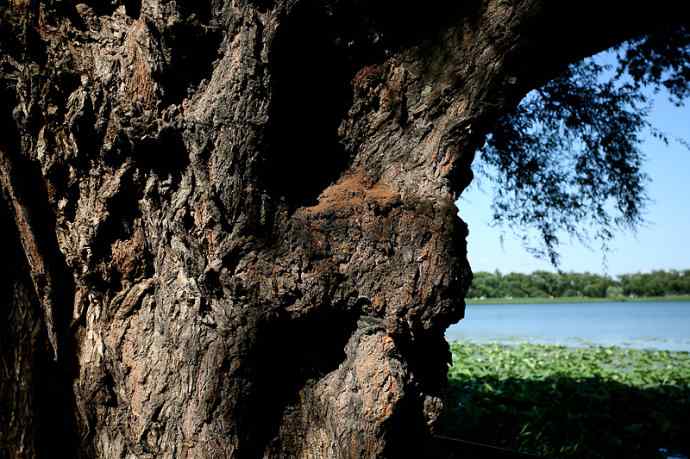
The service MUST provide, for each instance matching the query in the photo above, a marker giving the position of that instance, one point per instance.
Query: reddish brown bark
(233, 222)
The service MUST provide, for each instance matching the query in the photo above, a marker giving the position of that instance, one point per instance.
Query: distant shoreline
(578, 299)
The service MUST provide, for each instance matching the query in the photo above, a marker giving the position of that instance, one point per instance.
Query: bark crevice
(310, 74)
(309, 348)
(245, 210)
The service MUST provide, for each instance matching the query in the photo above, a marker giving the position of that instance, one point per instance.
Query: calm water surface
(647, 325)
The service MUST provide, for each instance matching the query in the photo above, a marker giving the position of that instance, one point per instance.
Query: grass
(553, 401)
(577, 299)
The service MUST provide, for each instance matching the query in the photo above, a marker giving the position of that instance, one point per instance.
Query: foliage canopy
(568, 157)
(544, 284)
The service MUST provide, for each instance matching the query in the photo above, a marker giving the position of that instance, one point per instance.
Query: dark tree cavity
(310, 84)
(230, 224)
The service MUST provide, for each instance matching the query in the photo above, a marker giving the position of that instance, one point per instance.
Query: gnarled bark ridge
(232, 229)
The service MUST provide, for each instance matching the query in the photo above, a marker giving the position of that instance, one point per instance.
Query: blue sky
(662, 243)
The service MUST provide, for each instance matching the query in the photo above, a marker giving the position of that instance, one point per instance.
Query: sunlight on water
(649, 325)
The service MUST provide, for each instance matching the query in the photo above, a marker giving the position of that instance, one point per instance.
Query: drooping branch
(204, 223)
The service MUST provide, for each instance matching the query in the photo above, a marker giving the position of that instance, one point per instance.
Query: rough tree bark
(229, 227)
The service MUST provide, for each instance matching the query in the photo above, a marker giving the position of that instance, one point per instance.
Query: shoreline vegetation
(579, 299)
(571, 287)
(555, 401)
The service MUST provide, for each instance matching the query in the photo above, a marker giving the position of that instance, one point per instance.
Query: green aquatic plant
(554, 401)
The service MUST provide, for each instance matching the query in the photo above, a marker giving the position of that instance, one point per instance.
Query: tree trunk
(230, 225)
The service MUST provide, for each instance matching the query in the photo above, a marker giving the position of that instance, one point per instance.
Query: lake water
(644, 325)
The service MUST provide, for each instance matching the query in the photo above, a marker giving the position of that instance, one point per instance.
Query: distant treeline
(544, 284)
